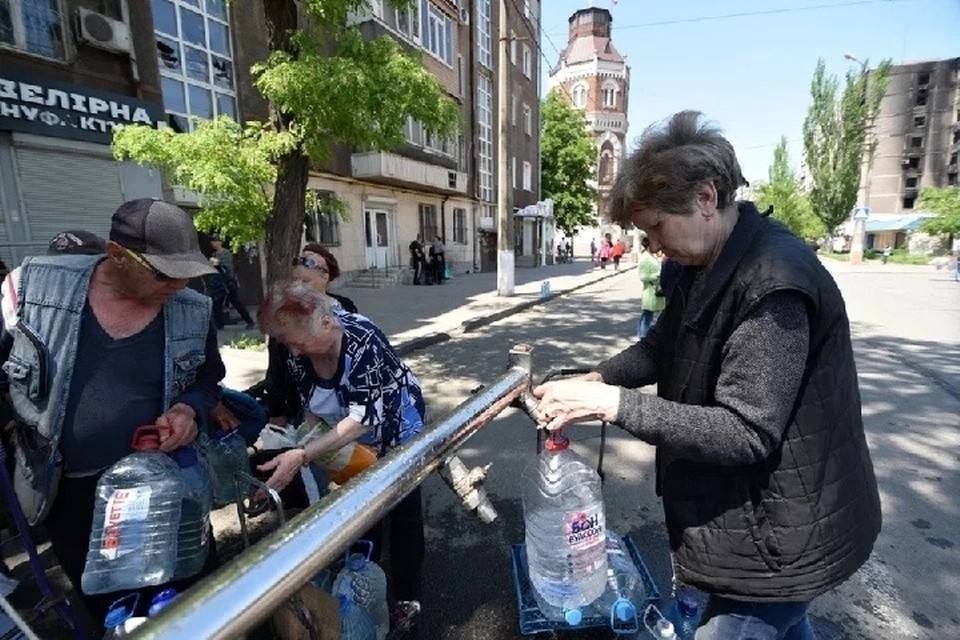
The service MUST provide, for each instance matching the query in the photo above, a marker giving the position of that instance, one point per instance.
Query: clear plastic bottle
(625, 594)
(365, 583)
(684, 612)
(355, 623)
(226, 454)
(193, 542)
(136, 517)
(161, 601)
(119, 613)
(565, 528)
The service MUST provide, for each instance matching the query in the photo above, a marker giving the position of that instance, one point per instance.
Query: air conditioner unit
(97, 30)
(464, 15)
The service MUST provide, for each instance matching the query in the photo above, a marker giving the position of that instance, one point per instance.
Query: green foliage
(229, 165)
(326, 86)
(790, 205)
(945, 203)
(248, 342)
(568, 158)
(838, 137)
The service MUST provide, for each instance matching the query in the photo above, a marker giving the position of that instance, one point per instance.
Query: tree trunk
(285, 225)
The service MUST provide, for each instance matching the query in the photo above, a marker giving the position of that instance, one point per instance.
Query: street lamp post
(859, 222)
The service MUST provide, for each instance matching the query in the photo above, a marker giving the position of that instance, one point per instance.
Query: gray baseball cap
(163, 234)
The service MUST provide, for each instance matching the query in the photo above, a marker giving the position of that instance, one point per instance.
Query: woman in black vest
(768, 489)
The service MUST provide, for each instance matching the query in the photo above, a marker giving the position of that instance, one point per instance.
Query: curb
(467, 326)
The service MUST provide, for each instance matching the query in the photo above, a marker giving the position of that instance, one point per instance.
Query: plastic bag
(286, 437)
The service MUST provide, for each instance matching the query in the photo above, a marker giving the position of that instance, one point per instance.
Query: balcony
(393, 169)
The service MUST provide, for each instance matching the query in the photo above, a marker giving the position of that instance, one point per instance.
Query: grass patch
(250, 343)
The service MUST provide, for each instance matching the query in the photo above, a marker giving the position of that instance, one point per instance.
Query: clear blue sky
(751, 73)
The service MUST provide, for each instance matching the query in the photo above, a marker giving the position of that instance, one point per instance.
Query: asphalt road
(908, 349)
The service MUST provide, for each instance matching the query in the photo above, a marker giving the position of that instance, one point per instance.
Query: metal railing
(250, 587)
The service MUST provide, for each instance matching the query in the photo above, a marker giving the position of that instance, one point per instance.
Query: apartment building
(918, 130)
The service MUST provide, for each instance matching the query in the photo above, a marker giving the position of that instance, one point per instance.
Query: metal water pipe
(252, 586)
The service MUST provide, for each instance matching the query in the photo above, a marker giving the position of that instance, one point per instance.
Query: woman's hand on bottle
(285, 466)
(181, 426)
(565, 402)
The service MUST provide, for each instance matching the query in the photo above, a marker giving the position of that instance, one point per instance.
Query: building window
(922, 98)
(526, 9)
(438, 33)
(413, 132)
(951, 179)
(923, 78)
(527, 176)
(459, 225)
(916, 142)
(913, 163)
(514, 107)
(428, 222)
(911, 183)
(513, 172)
(527, 120)
(908, 201)
(919, 121)
(33, 26)
(513, 48)
(485, 137)
(609, 95)
(196, 61)
(484, 46)
(527, 61)
(580, 96)
(408, 22)
(953, 158)
(323, 223)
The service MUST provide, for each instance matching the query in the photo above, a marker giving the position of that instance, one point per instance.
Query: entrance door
(376, 225)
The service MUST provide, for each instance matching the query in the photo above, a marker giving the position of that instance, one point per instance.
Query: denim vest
(51, 295)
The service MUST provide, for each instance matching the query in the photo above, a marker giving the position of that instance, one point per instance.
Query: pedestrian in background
(593, 250)
(417, 260)
(223, 261)
(652, 299)
(768, 490)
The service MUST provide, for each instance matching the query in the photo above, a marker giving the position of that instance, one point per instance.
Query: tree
(326, 86)
(568, 157)
(782, 192)
(945, 203)
(838, 137)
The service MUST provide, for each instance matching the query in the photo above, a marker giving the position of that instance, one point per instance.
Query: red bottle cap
(147, 437)
(556, 441)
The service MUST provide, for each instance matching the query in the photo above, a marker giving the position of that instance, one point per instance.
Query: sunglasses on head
(310, 263)
(139, 259)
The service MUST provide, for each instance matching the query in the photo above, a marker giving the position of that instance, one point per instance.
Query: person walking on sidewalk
(652, 300)
(223, 260)
(768, 490)
(606, 247)
(619, 248)
(438, 260)
(417, 260)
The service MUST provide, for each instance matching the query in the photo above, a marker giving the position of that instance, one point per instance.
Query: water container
(355, 623)
(545, 289)
(193, 542)
(565, 528)
(161, 601)
(684, 612)
(118, 614)
(226, 454)
(136, 517)
(348, 461)
(625, 594)
(366, 584)
(664, 630)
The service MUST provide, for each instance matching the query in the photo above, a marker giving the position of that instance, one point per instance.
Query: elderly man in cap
(93, 347)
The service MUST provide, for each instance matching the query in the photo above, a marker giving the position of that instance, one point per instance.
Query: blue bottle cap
(687, 605)
(624, 611)
(573, 616)
(161, 601)
(121, 610)
(184, 456)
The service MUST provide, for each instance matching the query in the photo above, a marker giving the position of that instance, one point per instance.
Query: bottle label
(125, 522)
(583, 529)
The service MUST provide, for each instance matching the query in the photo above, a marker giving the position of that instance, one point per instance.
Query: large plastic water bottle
(684, 612)
(136, 520)
(226, 455)
(565, 528)
(347, 461)
(625, 594)
(118, 615)
(355, 623)
(161, 601)
(366, 584)
(193, 542)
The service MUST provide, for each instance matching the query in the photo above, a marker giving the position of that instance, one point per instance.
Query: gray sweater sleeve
(760, 376)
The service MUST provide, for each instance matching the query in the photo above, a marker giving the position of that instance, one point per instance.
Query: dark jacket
(801, 521)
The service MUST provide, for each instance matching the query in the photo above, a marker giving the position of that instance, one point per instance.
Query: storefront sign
(33, 104)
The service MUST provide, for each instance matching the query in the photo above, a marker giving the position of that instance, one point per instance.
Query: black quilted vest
(804, 520)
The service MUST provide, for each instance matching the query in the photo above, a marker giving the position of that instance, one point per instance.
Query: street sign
(861, 213)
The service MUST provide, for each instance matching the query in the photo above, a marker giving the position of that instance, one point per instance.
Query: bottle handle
(367, 556)
(142, 435)
(646, 618)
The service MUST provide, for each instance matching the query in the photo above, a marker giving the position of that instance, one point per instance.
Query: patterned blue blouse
(372, 385)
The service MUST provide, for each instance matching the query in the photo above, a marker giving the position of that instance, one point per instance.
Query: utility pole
(505, 252)
(858, 241)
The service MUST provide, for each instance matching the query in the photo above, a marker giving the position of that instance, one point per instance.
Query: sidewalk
(415, 317)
